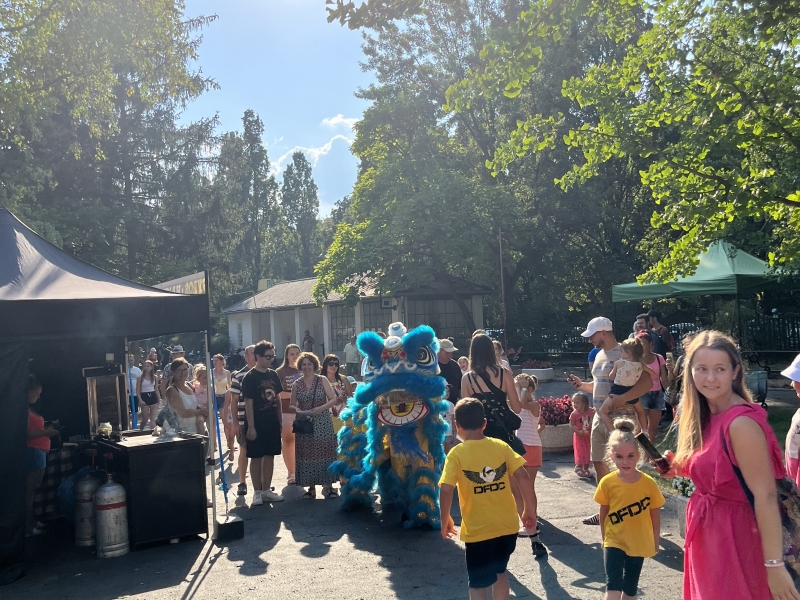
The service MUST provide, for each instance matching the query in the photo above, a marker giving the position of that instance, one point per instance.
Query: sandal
(310, 494)
(330, 493)
(593, 520)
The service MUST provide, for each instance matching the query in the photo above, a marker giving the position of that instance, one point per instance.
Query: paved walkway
(310, 549)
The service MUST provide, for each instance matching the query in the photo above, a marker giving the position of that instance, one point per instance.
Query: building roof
(288, 294)
(297, 293)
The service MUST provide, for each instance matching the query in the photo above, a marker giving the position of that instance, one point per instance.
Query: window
(443, 316)
(239, 334)
(343, 325)
(375, 317)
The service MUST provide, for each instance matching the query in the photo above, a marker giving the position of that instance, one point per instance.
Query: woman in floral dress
(313, 396)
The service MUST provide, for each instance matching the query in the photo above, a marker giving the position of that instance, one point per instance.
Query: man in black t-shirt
(449, 369)
(261, 388)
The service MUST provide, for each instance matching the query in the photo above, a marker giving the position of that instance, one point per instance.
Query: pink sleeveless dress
(723, 556)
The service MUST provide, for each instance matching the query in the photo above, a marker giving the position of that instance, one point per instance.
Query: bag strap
(314, 391)
(738, 472)
(473, 383)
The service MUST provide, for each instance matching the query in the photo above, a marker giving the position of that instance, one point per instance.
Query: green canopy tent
(723, 270)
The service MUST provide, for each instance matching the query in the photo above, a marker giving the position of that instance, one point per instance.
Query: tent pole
(130, 387)
(212, 429)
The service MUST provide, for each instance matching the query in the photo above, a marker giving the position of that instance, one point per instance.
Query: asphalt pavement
(311, 549)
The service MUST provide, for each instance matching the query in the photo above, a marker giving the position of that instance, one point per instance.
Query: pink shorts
(533, 456)
(793, 468)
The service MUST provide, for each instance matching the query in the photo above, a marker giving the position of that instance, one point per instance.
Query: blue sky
(298, 72)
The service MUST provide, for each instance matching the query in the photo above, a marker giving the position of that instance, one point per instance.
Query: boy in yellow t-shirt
(482, 468)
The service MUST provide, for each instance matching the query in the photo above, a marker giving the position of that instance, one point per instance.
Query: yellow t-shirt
(482, 470)
(628, 525)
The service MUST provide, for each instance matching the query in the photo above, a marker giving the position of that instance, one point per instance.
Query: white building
(283, 312)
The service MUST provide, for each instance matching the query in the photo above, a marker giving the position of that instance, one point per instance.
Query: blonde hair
(634, 347)
(622, 434)
(533, 381)
(581, 397)
(199, 370)
(695, 412)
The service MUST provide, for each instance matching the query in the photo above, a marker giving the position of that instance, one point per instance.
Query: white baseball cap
(597, 324)
(793, 370)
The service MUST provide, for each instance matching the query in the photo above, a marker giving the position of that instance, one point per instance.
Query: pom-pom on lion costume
(394, 432)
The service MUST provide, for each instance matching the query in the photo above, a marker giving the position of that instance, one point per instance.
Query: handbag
(789, 510)
(501, 421)
(305, 425)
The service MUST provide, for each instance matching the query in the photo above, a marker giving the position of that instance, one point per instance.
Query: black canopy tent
(61, 314)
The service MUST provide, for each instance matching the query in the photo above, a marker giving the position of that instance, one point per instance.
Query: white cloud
(312, 154)
(339, 120)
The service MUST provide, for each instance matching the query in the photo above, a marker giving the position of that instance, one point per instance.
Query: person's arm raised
(750, 447)
(578, 384)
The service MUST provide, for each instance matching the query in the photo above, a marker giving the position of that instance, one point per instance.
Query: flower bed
(557, 435)
(536, 364)
(685, 488)
(556, 411)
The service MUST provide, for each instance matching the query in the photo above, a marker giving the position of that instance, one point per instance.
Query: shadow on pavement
(55, 567)
(583, 558)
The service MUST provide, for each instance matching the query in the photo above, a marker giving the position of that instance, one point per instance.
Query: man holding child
(600, 333)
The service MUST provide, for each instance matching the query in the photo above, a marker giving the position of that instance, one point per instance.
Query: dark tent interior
(58, 315)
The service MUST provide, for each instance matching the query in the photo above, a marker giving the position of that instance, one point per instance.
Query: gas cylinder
(111, 520)
(84, 510)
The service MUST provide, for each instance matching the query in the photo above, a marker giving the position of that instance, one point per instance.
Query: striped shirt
(236, 388)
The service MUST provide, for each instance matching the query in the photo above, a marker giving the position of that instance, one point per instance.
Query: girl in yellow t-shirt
(630, 521)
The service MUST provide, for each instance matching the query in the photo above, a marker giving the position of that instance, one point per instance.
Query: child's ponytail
(623, 434)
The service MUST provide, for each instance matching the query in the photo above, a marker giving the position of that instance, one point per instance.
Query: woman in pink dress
(732, 550)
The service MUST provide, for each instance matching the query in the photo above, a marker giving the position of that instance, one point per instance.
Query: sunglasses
(333, 364)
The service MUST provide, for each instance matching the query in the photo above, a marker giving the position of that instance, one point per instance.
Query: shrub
(536, 364)
(556, 411)
(684, 485)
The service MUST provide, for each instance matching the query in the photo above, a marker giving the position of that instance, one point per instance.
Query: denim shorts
(622, 571)
(653, 400)
(37, 459)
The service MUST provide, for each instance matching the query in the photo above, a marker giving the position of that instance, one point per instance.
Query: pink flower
(556, 411)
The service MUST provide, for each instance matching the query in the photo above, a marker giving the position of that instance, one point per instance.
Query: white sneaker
(271, 496)
(257, 501)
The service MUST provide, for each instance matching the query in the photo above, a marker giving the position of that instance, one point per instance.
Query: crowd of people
(724, 444)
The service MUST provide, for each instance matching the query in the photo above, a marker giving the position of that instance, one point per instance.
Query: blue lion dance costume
(394, 432)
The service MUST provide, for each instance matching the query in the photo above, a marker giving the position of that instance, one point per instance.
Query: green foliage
(425, 208)
(703, 97)
(301, 208)
(92, 157)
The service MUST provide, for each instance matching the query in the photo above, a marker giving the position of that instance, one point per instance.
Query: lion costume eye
(425, 357)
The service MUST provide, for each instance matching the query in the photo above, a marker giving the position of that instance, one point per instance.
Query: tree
(301, 207)
(705, 95)
(88, 97)
(426, 209)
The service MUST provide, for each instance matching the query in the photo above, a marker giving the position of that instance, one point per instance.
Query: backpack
(789, 509)
(665, 337)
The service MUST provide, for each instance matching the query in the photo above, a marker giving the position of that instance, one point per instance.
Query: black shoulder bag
(305, 424)
(501, 421)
